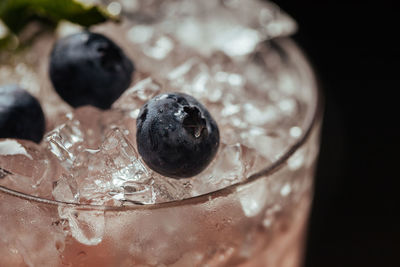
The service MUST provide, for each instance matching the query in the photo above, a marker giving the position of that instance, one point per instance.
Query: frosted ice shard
(27, 168)
(10, 147)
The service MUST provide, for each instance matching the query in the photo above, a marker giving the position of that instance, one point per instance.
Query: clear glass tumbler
(259, 222)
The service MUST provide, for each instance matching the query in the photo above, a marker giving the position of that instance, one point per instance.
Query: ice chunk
(82, 129)
(26, 167)
(140, 33)
(85, 128)
(253, 197)
(65, 141)
(268, 144)
(176, 31)
(11, 147)
(234, 27)
(260, 115)
(206, 80)
(86, 226)
(133, 98)
(169, 189)
(264, 16)
(132, 181)
(215, 34)
(237, 41)
(114, 174)
(159, 48)
(65, 189)
(114, 171)
(193, 77)
(233, 164)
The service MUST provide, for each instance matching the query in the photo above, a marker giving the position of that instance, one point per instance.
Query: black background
(352, 45)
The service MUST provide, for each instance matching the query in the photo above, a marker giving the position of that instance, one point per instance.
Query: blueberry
(89, 69)
(176, 135)
(21, 115)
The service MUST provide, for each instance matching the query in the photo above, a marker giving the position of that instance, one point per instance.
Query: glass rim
(312, 117)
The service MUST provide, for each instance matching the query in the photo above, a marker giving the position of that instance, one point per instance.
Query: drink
(98, 204)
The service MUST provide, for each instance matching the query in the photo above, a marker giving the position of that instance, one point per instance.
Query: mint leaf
(17, 13)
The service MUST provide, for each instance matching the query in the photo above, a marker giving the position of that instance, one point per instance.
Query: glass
(260, 221)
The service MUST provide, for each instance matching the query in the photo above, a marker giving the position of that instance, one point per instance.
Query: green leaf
(17, 13)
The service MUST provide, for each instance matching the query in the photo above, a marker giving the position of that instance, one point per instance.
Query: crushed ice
(212, 50)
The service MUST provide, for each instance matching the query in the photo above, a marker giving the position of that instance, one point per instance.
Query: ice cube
(86, 226)
(65, 189)
(85, 128)
(260, 115)
(81, 129)
(253, 197)
(133, 98)
(264, 16)
(89, 170)
(233, 164)
(27, 168)
(269, 145)
(64, 142)
(159, 48)
(237, 41)
(193, 77)
(234, 27)
(169, 189)
(140, 33)
(156, 44)
(113, 172)
(207, 80)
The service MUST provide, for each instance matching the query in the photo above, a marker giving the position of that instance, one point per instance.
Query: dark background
(355, 219)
